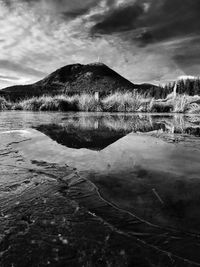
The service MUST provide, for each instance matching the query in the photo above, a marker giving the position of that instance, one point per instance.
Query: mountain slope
(76, 78)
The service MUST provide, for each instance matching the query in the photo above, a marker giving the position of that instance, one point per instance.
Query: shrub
(194, 108)
(88, 103)
(17, 106)
(180, 104)
(58, 103)
(48, 103)
(122, 102)
(4, 104)
(32, 104)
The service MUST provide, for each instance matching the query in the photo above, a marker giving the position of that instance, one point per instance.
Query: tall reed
(122, 102)
(4, 104)
(117, 102)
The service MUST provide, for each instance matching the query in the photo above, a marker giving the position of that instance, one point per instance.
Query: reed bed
(117, 102)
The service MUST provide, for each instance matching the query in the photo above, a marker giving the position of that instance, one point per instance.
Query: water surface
(143, 164)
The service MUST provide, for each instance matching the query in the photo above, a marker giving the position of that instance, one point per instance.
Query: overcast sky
(144, 40)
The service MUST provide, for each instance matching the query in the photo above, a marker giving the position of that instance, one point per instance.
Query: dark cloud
(118, 20)
(172, 19)
(173, 25)
(162, 20)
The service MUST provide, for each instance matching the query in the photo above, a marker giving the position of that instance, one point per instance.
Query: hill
(76, 79)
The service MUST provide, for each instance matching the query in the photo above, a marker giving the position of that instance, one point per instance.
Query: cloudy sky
(144, 40)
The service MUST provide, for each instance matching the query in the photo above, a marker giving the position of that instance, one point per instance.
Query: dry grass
(47, 103)
(186, 104)
(122, 102)
(181, 104)
(87, 102)
(118, 102)
(194, 108)
(4, 105)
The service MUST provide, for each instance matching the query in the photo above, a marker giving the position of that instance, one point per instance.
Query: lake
(135, 177)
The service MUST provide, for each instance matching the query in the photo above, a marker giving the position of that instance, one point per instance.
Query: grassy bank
(118, 102)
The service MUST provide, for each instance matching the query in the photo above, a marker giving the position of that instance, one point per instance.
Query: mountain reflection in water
(98, 131)
(156, 181)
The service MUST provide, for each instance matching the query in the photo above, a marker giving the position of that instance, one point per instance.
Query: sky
(144, 40)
